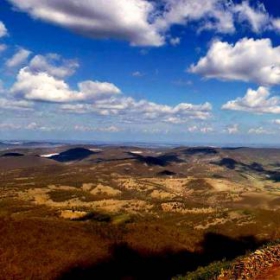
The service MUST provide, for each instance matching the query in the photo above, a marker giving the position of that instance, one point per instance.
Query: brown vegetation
(114, 214)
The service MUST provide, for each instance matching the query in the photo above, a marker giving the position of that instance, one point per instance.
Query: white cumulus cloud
(248, 60)
(276, 24)
(277, 121)
(14, 104)
(3, 30)
(255, 101)
(97, 90)
(43, 87)
(18, 58)
(53, 65)
(200, 129)
(43, 80)
(121, 19)
(214, 14)
(258, 17)
(128, 108)
(146, 22)
(260, 130)
(232, 129)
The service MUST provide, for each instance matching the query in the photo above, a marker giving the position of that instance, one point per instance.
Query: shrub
(212, 271)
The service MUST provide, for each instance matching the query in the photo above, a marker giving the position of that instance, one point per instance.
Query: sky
(174, 71)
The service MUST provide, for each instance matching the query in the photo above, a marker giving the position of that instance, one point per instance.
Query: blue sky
(189, 71)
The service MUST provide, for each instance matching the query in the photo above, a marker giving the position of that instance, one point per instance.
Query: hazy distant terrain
(119, 212)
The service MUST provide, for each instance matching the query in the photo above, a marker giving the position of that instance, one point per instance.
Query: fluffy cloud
(197, 129)
(9, 126)
(260, 130)
(41, 87)
(18, 59)
(215, 14)
(258, 18)
(248, 60)
(232, 129)
(137, 74)
(3, 30)
(36, 126)
(175, 41)
(13, 104)
(97, 90)
(277, 121)
(42, 80)
(122, 19)
(154, 131)
(53, 65)
(276, 24)
(145, 22)
(29, 126)
(109, 129)
(255, 101)
(129, 109)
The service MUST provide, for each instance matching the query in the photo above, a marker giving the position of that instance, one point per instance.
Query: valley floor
(122, 213)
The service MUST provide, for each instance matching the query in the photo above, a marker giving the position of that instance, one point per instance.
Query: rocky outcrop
(253, 265)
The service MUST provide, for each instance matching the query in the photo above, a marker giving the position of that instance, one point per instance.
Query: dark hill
(198, 150)
(73, 155)
(12, 155)
(166, 173)
(163, 160)
(228, 163)
(257, 167)
(232, 164)
(19, 162)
